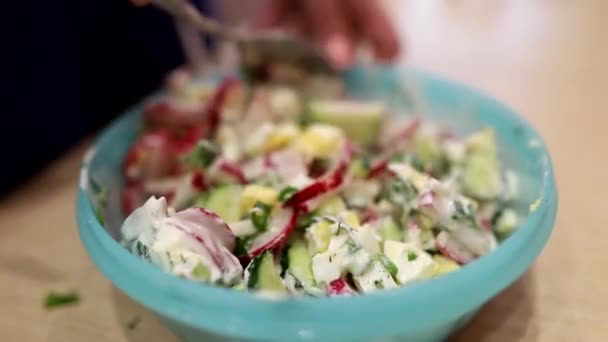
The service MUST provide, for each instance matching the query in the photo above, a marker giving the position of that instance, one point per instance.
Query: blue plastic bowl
(427, 311)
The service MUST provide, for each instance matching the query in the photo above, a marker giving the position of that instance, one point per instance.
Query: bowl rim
(230, 312)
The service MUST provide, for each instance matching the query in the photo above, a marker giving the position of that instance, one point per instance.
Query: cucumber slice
(262, 274)
(224, 201)
(361, 121)
(389, 230)
(299, 263)
(482, 176)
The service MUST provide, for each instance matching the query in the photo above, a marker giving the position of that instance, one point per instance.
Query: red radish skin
(339, 287)
(212, 248)
(186, 142)
(330, 181)
(233, 170)
(426, 200)
(275, 240)
(380, 169)
(409, 131)
(198, 181)
(486, 225)
(166, 114)
(214, 109)
(150, 157)
(370, 215)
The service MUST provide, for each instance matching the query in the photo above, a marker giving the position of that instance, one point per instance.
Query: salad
(274, 189)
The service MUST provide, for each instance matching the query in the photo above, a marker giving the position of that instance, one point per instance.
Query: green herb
(285, 262)
(201, 272)
(55, 299)
(411, 256)
(101, 198)
(286, 193)
(464, 214)
(202, 155)
(141, 250)
(305, 220)
(241, 246)
(133, 322)
(379, 284)
(388, 264)
(100, 216)
(259, 215)
(400, 192)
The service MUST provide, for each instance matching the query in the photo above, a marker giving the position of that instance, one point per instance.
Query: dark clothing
(72, 66)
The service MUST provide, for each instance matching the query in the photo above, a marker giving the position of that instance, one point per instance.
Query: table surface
(545, 58)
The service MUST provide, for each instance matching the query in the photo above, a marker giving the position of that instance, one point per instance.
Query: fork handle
(186, 11)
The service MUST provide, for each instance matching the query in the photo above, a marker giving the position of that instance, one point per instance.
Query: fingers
(271, 14)
(329, 26)
(335, 24)
(375, 26)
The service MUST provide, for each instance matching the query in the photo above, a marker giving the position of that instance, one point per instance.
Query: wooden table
(547, 58)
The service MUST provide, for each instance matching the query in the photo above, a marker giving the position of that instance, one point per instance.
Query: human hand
(338, 26)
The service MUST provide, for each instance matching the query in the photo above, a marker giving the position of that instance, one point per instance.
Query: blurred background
(73, 66)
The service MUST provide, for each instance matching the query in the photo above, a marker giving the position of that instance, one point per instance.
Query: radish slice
(413, 234)
(192, 136)
(211, 233)
(213, 112)
(339, 287)
(379, 169)
(397, 137)
(150, 157)
(370, 215)
(233, 170)
(168, 114)
(453, 249)
(478, 241)
(281, 225)
(200, 219)
(288, 164)
(330, 181)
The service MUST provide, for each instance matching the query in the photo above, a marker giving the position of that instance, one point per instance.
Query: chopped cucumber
(361, 121)
(263, 275)
(505, 222)
(482, 176)
(299, 263)
(429, 155)
(389, 230)
(201, 272)
(224, 201)
(443, 265)
(333, 205)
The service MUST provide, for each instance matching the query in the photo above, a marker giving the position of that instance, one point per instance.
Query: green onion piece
(202, 155)
(54, 299)
(201, 272)
(411, 256)
(305, 220)
(240, 247)
(259, 215)
(388, 264)
(286, 193)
